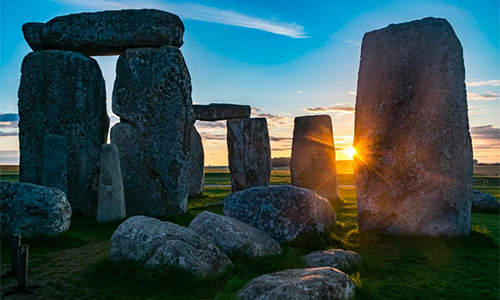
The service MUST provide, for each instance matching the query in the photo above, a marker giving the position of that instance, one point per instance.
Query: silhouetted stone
(249, 153)
(111, 202)
(29, 209)
(55, 160)
(414, 165)
(313, 163)
(62, 93)
(303, 284)
(152, 96)
(220, 111)
(285, 212)
(108, 32)
(197, 168)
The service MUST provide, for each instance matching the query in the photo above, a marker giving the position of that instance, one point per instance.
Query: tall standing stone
(313, 164)
(249, 153)
(197, 168)
(111, 202)
(414, 164)
(62, 93)
(152, 96)
(55, 160)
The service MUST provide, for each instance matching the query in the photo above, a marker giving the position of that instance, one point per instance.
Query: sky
(284, 58)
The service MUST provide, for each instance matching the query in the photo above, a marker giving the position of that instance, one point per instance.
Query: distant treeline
(278, 162)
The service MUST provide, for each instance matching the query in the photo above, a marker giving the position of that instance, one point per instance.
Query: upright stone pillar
(152, 96)
(55, 160)
(111, 203)
(313, 164)
(413, 169)
(62, 93)
(197, 168)
(249, 153)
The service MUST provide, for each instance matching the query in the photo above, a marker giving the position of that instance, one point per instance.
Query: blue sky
(284, 58)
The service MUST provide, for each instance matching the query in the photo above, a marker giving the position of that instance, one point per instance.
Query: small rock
(300, 284)
(484, 202)
(219, 111)
(155, 243)
(334, 258)
(285, 212)
(111, 201)
(234, 237)
(29, 210)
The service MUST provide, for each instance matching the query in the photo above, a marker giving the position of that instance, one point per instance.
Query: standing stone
(221, 111)
(152, 96)
(55, 160)
(313, 164)
(111, 203)
(414, 165)
(197, 168)
(108, 32)
(249, 153)
(62, 93)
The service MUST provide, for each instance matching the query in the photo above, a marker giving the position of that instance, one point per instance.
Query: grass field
(75, 266)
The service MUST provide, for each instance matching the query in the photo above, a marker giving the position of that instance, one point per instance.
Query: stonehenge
(413, 170)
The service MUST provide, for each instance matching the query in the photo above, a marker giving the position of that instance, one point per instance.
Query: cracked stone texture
(414, 165)
(197, 167)
(152, 97)
(155, 243)
(300, 284)
(108, 32)
(249, 153)
(313, 165)
(285, 212)
(62, 93)
(29, 210)
(221, 111)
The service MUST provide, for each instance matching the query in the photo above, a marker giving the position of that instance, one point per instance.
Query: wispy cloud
(352, 93)
(279, 139)
(212, 137)
(9, 124)
(494, 82)
(299, 92)
(486, 143)
(203, 125)
(199, 12)
(343, 107)
(488, 96)
(353, 43)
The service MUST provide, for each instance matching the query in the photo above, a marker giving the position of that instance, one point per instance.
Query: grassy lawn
(393, 267)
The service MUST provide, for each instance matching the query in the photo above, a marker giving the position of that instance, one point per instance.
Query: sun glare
(350, 152)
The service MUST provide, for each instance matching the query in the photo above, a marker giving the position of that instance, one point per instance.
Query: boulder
(220, 111)
(413, 169)
(63, 94)
(484, 202)
(313, 165)
(29, 210)
(108, 32)
(334, 258)
(285, 212)
(152, 97)
(111, 201)
(197, 167)
(155, 243)
(249, 153)
(300, 284)
(234, 237)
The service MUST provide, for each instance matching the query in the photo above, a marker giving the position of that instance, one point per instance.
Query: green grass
(393, 267)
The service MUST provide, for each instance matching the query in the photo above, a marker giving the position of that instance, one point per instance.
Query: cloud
(256, 110)
(299, 92)
(353, 43)
(486, 143)
(281, 148)
(201, 125)
(352, 93)
(11, 117)
(343, 107)
(213, 137)
(488, 96)
(279, 139)
(9, 124)
(494, 82)
(486, 132)
(199, 12)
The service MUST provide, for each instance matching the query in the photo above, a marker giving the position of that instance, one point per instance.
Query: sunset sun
(350, 151)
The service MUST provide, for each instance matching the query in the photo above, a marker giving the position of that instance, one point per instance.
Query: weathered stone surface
(197, 167)
(300, 284)
(33, 35)
(29, 210)
(249, 153)
(108, 32)
(155, 243)
(285, 212)
(334, 258)
(414, 164)
(152, 96)
(55, 160)
(313, 165)
(221, 111)
(111, 201)
(234, 237)
(62, 93)
(484, 202)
